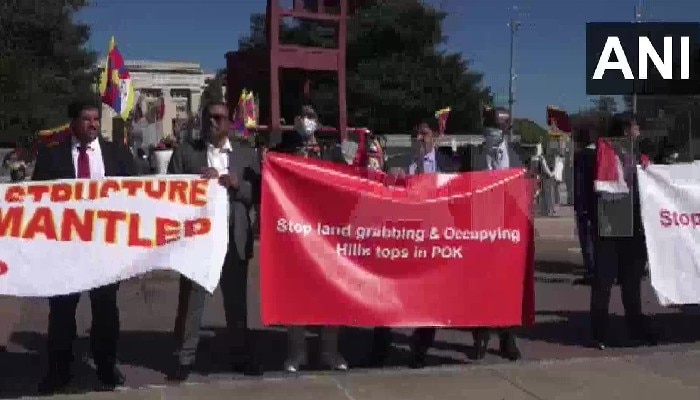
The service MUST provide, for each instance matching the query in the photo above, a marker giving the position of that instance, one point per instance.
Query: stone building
(179, 84)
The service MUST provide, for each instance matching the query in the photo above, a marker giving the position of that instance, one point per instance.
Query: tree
(605, 105)
(397, 74)
(43, 65)
(213, 92)
(530, 132)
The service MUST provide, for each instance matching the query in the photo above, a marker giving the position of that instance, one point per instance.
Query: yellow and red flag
(116, 88)
(442, 116)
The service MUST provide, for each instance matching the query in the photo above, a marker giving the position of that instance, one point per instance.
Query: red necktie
(83, 163)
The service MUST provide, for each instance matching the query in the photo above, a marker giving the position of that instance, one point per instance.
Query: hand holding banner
(443, 250)
(69, 236)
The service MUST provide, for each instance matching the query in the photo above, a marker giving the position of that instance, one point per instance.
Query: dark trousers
(296, 343)
(585, 237)
(104, 331)
(620, 258)
(190, 309)
(421, 341)
(381, 343)
(423, 338)
(506, 337)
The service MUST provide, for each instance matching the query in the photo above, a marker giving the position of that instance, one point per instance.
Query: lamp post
(637, 19)
(514, 26)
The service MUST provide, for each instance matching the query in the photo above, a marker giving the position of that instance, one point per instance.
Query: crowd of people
(613, 249)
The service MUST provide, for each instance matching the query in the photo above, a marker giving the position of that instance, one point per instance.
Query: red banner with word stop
(346, 246)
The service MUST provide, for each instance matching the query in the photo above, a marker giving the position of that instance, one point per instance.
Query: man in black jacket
(85, 155)
(584, 196)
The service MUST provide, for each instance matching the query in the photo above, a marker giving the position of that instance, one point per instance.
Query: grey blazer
(191, 158)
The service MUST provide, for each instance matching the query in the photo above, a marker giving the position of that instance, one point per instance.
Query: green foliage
(397, 74)
(213, 92)
(605, 105)
(591, 118)
(43, 65)
(530, 132)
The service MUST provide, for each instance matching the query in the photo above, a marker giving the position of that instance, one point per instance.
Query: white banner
(70, 236)
(670, 199)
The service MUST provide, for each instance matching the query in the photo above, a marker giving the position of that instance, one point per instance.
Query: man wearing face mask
(237, 168)
(302, 142)
(496, 154)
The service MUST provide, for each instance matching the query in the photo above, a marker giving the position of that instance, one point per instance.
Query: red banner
(341, 248)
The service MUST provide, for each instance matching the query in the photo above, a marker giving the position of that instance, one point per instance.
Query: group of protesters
(613, 247)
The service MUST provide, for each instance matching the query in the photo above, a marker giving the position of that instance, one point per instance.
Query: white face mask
(307, 127)
(492, 138)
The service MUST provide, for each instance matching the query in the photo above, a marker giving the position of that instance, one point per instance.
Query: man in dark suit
(619, 241)
(585, 197)
(428, 159)
(496, 153)
(237, 167)
(84, 156)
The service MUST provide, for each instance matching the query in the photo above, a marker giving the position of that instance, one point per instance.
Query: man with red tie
(86, 155)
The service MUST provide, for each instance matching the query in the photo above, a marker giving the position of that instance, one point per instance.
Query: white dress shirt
(217, 158)
(498, 159)
(429, 164)
(96, 162)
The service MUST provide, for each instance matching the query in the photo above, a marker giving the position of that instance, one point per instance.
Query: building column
(195, 100)
(169, 113)
(106, 128)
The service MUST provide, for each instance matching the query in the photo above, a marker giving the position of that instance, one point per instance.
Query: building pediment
(159, 66)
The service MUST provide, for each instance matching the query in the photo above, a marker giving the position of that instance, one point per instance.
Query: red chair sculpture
(307, 59)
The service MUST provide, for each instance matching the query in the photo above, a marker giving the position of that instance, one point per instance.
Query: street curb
(280, 376)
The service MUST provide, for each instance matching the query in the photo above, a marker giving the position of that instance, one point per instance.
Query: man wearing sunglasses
(237, 168)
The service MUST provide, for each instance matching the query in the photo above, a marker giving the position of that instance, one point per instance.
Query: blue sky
(550, 47)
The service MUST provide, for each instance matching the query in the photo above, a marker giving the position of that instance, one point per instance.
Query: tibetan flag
(558, 121)
(442, 116)
(246, 116)
(116, 88)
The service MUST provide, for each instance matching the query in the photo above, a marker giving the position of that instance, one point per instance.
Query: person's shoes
(645, 339)
(417, 360)
(376, 359)
(110, 378)
(293, 365)
(598, 345)
(247, 368)
(181, 373)
(334, 361)
(54, 382)
(509, 350)
(3, 349)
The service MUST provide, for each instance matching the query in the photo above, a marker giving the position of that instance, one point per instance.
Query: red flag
(558, 119)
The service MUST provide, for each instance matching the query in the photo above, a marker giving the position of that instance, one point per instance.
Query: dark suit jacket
(443, 163)
(57, 162)
(244, 163)
(584, 176)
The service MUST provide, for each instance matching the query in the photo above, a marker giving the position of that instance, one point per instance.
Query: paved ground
(661, 375)
(557, 364)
